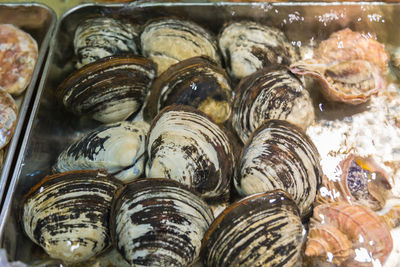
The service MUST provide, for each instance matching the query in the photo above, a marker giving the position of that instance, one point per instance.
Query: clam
(67, 214)
(168, 41)
(108, 90)
(187, 146)
(18, 56)
(248, 46)
(280, 155)
(118, 148)
(348, 235)
(261, 230)
(8, 117)
(159, 222)
(349, 66)
(199, 82)
(100, 37)
(361, 181)
(270, 93)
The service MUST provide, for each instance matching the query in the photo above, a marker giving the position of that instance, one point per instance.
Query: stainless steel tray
(51, 129)
(39, 21)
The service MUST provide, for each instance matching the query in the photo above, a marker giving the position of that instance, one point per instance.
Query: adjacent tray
(39, 21)
(50, 128)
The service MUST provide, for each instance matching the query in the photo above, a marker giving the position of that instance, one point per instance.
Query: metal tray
(39, 21)
(51, 128)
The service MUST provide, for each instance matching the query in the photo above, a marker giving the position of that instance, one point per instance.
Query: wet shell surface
(108, 90)
(8, 117)
(118, 148)
(187, 146)
(168, 41)
(348, 235)
(159, 222)
(280, 156)
(361, 181)
(199, 82)
(100, 37)
(270, 93)
(67, 214)
(248, 46)
(18, 56)
(261, 230)
(349, 66)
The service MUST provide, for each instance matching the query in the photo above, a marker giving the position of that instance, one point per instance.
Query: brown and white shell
(248, 46)
(361, 181)
(270, 93)
(159, 222)
(169, 40)
(18, 56)
(185, 145)
(198, 82)
(119, 148)
(348, 235)
(100, 37)
(279, 155)
(8, 117)
(263, 229)
(109, 89)
(67, 214)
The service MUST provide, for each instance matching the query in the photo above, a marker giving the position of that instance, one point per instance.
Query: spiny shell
(168, 41)
(270, 93)
(199, 82)
(110, 89)
(261, 230)
(67, 214)
(18, 56)
(159, 222)
(8, 117)
(370, 237)
(187, 146)
(248, 46)
(118, 148)
(100, 37)
(280, 155)
(352, 82)
(362, 181)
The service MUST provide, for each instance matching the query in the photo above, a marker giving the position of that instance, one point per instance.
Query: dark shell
(199, 82)
(280, 155)
(270, 93)
(118, 148)
(168, 41)
(67, 214)
(248, 46)
(110, 89)
(100, 37)
(261, 230)
(8, 117)
(159, 222)
(186, 145)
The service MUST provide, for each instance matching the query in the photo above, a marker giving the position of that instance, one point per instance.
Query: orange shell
(18, 56)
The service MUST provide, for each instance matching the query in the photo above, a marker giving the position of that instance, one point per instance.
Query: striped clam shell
(100, 37)
(159, 222)
(248, 46)
(110, 89)
(199, 82)
(8, 117)
(118, 148)
(187, 146)
(261, 230)
(168, 41)
(270, 93)
(280, 156)
(67, 214)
